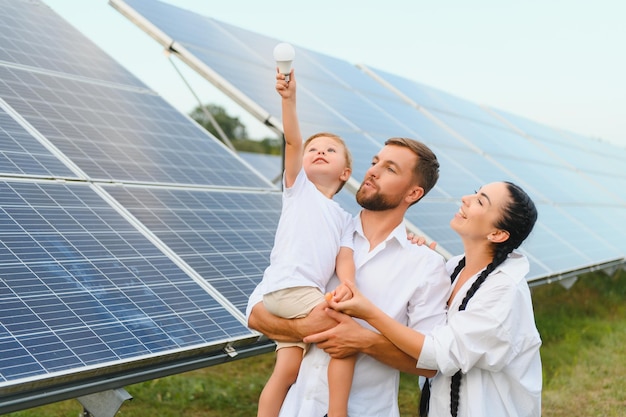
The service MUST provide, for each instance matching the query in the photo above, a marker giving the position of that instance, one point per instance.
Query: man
(408, 282)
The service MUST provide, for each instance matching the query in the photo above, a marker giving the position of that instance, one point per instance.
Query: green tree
(234, 130)
(230, 125)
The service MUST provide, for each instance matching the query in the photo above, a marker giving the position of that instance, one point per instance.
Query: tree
(231, 126)
(234, 130)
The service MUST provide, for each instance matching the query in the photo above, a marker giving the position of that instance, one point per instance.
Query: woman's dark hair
(518, 218)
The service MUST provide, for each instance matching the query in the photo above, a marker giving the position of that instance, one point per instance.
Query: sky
(557, 62)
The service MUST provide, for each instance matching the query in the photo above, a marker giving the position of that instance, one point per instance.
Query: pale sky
(558, 62)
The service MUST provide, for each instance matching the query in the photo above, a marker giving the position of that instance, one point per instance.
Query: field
(583, 331)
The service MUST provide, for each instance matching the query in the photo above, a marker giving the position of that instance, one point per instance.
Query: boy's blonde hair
(340, 141)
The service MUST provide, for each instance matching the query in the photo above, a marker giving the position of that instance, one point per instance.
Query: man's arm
(348, 338)
(289, 330)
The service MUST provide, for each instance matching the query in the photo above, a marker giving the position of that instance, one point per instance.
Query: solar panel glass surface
(115, 133)
(22, 154)
(226, 237)
(81, 287)
(35, 37)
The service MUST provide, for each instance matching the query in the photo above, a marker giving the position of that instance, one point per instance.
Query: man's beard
(376, 201)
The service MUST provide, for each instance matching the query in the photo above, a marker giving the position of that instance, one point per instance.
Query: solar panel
(130, 239)
(270, 166)
(81, 288)
(30, 33)
(22, 154)
(113, 132)
(475, 144)
(600, 162)
(226, 237)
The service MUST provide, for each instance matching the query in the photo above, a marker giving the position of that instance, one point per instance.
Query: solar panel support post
(105, 403)
(202, 107)
(568, 283)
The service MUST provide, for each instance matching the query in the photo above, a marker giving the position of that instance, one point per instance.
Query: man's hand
(346, 338)
(316, 321)
(289, 330)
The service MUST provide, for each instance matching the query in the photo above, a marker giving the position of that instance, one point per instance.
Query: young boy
(313, 241)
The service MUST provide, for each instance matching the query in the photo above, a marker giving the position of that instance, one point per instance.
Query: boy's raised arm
(291, 127)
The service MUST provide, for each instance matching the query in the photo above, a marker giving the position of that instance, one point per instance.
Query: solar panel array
(130, 237)
(576, 182)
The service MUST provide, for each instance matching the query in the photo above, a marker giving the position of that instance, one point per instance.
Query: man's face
(388, 181)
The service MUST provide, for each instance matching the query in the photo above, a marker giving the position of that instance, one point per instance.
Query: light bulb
(283, 54)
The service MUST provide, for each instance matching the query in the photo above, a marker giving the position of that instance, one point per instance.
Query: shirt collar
(399, 233)
(515, 265)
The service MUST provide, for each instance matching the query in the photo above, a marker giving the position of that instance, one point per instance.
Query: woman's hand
(357, 306)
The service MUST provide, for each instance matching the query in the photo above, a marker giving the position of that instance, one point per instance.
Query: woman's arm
(404, 338)
(348, 338)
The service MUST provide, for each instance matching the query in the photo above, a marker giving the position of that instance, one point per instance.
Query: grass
(583, 331)
(584, 334)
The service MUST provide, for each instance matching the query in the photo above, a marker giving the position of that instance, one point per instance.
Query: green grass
(584, 334)
(583, 331)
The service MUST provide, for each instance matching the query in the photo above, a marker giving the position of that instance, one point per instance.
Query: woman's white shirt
(494, 342)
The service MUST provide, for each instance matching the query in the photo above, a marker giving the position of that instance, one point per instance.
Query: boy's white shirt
(311, 230)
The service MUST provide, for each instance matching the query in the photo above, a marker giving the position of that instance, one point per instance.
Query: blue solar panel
(22, 154)
(475, 144)
(122, 134)
(507, 153)
(225, 237)
(87, 290)
(270, 166)
(80, 286)
(33, 36)
(597, 161)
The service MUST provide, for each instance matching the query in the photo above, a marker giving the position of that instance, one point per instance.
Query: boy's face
(325, 155)
(389, 181)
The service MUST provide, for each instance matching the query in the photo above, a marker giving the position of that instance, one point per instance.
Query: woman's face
(479, 213)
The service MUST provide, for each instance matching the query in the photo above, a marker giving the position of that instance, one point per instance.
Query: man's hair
(340, 141)
(426, 171)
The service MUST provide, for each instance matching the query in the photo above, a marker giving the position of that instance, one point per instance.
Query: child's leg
(284, 375)
(340, 372)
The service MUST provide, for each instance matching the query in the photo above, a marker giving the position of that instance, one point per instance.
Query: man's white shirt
(410, 284)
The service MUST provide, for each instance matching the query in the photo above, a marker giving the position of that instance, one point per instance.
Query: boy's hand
(286, 89)
(341, 293)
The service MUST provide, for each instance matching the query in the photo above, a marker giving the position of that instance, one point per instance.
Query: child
(313, 240)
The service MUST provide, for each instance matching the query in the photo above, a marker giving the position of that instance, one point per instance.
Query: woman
(487, 354)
